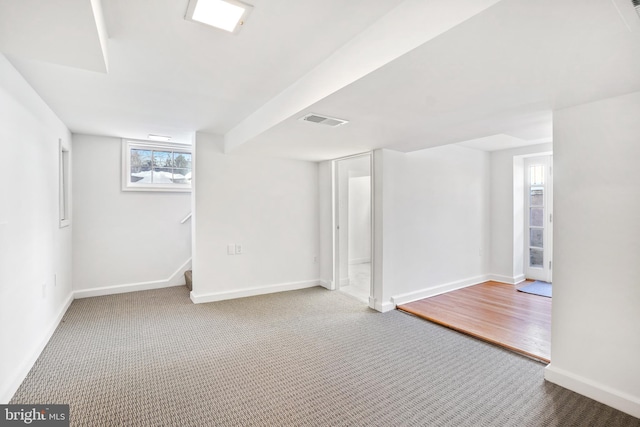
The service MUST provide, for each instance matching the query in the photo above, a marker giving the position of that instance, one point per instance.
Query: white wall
(442, 214)
(35, 254)
(504, 230)
(431, 221)
(360, 220)
(596, 284)
(270, 207)
(123, 240)
(388, 237)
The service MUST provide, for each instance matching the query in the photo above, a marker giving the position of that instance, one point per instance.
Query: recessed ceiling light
(159, 138)
(228, 15)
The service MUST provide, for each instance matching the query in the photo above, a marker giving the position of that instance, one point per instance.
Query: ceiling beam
(65, 32)
(409, 25)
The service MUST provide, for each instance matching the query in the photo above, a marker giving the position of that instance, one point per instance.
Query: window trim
(64, 183)
(128, 144)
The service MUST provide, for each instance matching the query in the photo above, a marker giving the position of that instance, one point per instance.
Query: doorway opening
(525, 314)
(353, 226)
(538, 218)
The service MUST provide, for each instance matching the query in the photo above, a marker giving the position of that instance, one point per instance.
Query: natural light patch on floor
(359, 282)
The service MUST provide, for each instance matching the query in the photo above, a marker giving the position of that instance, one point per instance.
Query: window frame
(129, 144)
(64, 183)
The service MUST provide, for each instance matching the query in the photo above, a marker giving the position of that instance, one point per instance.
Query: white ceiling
(172, 76)
(494, 77)
(501, 72)
(67, 32)
(500, 142)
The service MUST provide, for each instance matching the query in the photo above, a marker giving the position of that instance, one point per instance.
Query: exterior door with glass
(538, 218)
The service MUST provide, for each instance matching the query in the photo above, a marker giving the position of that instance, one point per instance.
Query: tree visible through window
(157, 166)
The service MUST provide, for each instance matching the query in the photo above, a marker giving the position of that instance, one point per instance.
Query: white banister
(186, 218)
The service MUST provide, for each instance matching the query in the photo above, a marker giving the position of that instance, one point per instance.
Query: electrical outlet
(238, 249)
(55, 280)
(44, 290)
(231, 249)
(315, 259)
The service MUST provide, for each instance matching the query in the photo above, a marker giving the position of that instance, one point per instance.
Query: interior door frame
(336, 219)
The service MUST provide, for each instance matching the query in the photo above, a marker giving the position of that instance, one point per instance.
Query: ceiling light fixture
(159, 138)
(228, 15)
(636, 5)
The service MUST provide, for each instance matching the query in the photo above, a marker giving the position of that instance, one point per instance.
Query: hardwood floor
(494, 312)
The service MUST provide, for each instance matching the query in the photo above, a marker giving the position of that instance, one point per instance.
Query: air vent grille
(323, 120)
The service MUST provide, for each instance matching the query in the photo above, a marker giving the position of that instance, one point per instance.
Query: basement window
(152, 166)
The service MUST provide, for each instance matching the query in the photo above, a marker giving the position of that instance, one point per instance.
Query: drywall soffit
(55, 31)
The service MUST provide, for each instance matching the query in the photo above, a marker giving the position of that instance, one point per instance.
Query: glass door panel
(538, 221)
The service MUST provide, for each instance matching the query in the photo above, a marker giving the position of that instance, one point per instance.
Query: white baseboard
(386, 306)
(176, 279)
(594, 390)
(359, 261)
(380, 306)
(506, 279)
(199, 298)
(436, 290)
(328, 284)
(519, 279)
(18, 375)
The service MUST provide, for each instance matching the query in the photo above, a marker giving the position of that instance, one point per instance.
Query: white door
(538, 233)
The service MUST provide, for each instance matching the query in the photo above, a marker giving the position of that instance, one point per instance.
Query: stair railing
(186, 218)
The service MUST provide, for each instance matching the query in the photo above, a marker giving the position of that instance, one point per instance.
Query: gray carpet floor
(302, 358)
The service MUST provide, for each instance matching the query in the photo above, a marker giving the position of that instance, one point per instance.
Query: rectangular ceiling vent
(323, 120)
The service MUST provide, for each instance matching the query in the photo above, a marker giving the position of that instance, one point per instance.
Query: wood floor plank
(494, 312)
